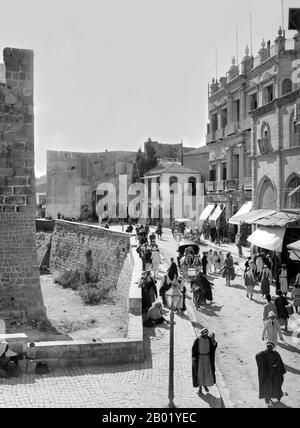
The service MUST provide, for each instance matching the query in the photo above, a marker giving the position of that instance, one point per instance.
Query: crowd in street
(261, 270)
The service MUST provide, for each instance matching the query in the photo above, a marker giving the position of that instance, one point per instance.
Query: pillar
(241, 164)
(229, 163)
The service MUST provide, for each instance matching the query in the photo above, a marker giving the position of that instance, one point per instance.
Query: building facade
(253, 136)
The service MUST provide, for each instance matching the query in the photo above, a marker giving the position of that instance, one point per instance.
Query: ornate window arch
(267, 194)
(294, 132)
(286, 86)
(264, 142)
(292, 192)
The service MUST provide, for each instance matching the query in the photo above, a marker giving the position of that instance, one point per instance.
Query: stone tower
(20, 292)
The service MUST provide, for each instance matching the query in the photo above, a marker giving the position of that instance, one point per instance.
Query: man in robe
(173, 271)
(203, 361)
(270, 374)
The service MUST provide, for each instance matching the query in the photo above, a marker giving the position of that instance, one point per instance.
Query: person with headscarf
(269, 307)
(265, 279)
(7, 367)
(272, 329)
(197, 264)
(165, 285)
(281, 303)
(210, 256)
(249, 279)
(154, 315)
(259, 262)
(182, 289)
(203, 361)
(271, 372)
(184, 263)
(282, 280)
(204, 262)
(202, 287)
(227, 269)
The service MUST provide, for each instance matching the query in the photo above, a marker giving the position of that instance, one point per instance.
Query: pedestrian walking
(281, 303)
(204, 262)
(202, 287)
(269, 307)
(249, 279)
(265, 279)
(272, 329)
(172, 271)
(238, 243)
(182, 289)
(221, 256)
(184, 263)
(165, 285)
(156, 259)
(210, 256)
(271, 372)
(216, 262)
(227, 269)
(296, 293)
(259, 263)
(148, 258)
(203, 361)
(282, 280)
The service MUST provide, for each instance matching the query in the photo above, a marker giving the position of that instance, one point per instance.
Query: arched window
(292, 193)
(294, 132)
(173, 180)
(267, 196)
(286, 86)
(265, 141)
(192, 185)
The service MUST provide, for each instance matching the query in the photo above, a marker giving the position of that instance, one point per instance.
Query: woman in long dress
(249, 279)
(265, 281)
(282, 280)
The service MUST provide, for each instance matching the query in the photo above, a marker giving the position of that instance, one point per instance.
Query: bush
(68, 279)
(92, 295)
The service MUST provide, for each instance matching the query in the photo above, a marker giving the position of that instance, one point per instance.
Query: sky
(109, 74)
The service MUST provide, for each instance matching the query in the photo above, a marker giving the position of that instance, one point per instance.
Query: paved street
(238, 325)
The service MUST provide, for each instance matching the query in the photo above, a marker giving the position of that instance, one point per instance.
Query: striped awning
(217, 212)
(245, 209)
(279, 219)
(207, 212)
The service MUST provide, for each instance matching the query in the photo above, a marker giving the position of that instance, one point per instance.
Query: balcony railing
(232, 184)
(248, 183)
(210, 186)
(221, 185)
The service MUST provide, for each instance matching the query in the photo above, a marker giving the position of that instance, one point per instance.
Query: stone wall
(19, 276)
(77, 246)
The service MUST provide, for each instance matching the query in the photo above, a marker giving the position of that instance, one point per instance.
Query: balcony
(220, 133)
(232, 184)
(231, 128)
(248, 183)
(220, 185)
(210, 186)
(210, 137)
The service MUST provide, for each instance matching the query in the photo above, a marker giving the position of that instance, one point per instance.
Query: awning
(183, 220)
(207, 212)
(216, 214)
(294, 249)
(269, 238)
(279, 219)
(245, 209)
(253, 215)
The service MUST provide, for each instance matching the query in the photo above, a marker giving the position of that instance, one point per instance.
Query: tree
(143, 162)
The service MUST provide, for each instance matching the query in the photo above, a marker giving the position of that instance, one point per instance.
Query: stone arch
(264, 142)
(292, 183)
(266, 194)
(286, 86)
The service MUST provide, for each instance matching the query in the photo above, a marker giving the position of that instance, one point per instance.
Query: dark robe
(281, 303)
(195, 354)
(270, 374)
(205, 287)
(204, 264)
(172, 271)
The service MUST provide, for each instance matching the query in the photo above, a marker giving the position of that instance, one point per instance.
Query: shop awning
(253, 216)
(183, 220)
(269, 238)
(279, 219)
(216, 214)
(294, 249)
(207, 212)
(245, 209)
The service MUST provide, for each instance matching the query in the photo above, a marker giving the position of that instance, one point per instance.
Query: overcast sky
(111, 73)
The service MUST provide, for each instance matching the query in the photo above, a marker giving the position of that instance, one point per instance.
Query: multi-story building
(253, 136)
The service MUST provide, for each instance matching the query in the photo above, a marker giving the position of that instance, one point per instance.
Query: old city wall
(82, 247)
(20, 292)
(73, 177)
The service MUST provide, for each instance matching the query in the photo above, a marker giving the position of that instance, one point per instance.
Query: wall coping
(92, 226)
